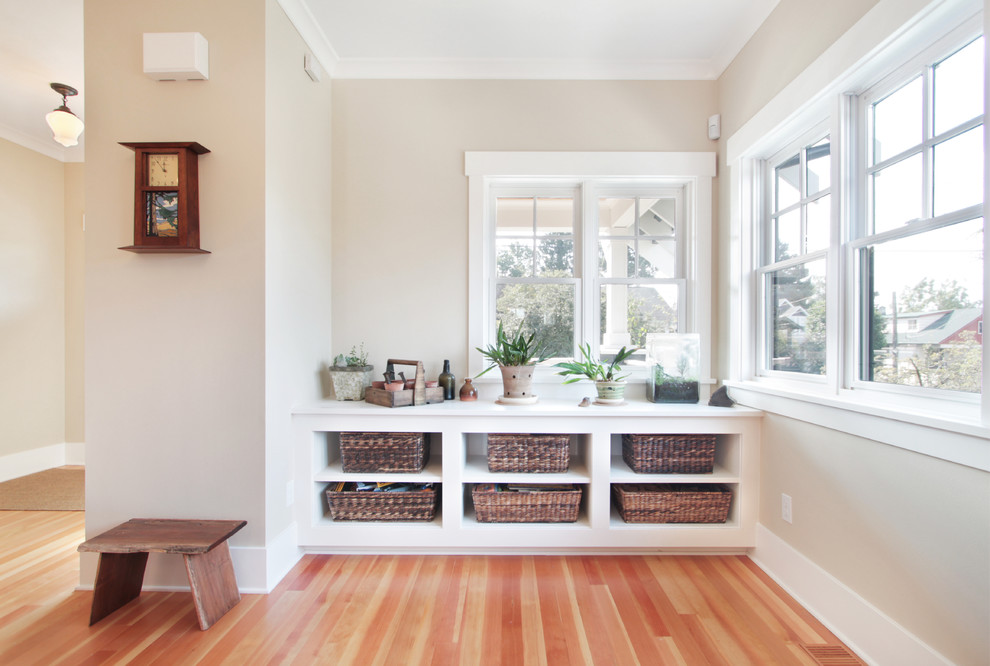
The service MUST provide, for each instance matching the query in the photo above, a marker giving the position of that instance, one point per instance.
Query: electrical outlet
(785, 508)
(290, 493)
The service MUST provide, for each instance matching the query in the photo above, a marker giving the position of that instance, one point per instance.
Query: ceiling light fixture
(66, 127)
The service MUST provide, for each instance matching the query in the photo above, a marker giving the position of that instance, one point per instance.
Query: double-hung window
(866, 258)
(607, 249)
(794, 251)
(918, 247)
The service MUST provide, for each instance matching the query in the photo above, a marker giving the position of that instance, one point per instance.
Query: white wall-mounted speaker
(176, 56)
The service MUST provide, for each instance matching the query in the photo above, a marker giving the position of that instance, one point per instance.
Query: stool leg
(214, 588)
(118, 581)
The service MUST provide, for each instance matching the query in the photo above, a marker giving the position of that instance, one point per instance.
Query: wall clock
(166, 197)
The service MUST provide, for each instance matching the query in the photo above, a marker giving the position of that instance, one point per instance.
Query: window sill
(959, 437)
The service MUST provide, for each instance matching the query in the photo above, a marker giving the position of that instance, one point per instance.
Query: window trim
(693, 169)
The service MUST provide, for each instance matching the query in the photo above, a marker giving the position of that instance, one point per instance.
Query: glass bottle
(468, 391)
(446, 381)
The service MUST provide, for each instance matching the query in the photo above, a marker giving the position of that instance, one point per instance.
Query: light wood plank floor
(344, 609)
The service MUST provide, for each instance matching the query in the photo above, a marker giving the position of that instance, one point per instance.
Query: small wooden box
(420, 395)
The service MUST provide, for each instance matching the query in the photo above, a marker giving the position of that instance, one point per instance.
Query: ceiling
(42, 41)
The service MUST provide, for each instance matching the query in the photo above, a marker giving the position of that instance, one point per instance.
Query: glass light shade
(66, 127)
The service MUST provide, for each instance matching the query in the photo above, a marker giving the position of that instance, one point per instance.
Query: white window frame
(948, 429)
(601, 173)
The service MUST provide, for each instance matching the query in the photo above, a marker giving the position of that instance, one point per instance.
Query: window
(604, 248)
(793, 276)
(902, 265)
(919, 248)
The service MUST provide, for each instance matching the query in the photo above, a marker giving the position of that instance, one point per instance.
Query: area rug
(59, 489)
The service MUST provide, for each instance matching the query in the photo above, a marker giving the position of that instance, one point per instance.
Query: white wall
(904, 532)
(400, 232)
(297, 254)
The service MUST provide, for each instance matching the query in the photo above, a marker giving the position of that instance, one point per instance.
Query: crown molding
(305, 23)
(519, 68)
(47, 147)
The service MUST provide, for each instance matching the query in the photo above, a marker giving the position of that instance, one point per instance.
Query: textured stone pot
(349, 382)
(517, 381)
(611, 390)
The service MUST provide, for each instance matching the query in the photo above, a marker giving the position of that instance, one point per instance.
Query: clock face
(163, 170)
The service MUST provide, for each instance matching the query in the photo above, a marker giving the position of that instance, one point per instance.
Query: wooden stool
(202, 543)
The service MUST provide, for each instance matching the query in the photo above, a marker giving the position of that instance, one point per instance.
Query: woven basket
(528, 453)
(556, 506)
(384, 451)
(672, 502)
(381, 506)
(669, 454)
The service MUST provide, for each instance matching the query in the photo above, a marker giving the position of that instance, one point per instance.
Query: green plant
(357, 358)
(509, 351)
(593, 369)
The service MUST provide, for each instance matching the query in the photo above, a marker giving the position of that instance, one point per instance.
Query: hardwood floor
(413, 609)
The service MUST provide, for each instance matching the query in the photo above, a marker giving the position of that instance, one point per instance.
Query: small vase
(468, 391)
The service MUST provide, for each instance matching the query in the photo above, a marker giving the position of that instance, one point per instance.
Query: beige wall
(175, 348)
(400, 195)
(75, 289)
(32, 300)
(908, 533)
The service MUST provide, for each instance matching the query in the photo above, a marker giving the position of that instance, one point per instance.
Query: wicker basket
(528, 453)
(669, 454)
(548, 506)
(672, 502)
(367, 505)
(383, 451)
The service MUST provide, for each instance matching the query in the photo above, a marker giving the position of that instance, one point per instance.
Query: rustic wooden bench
(202, 543)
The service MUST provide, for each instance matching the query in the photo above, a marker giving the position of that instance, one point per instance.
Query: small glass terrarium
(673, 361)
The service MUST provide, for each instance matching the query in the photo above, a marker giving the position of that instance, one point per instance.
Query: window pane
(787, 183)
(554, 216)
(555, 256)
(959, 87)
(925, 315)
(819, 222)
(787, 235)
(631, 312)
(514, 216)
(959, 172)
(616, 216)
(897, 194)
(897, 121)
(658, 217)
(616, 258)
(657, 258)
(819, 160)
(513, 258)
(546, 309)
(797, 318)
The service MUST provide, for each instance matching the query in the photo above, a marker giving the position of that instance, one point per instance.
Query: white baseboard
(22, 463)
(869, 632)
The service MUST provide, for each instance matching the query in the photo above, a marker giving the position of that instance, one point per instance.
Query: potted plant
(610, 385)
(351, 374)
(515, 357)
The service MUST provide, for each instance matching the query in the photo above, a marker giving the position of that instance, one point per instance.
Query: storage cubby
(458, 435)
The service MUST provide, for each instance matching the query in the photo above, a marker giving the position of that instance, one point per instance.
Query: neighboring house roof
(948, 324)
